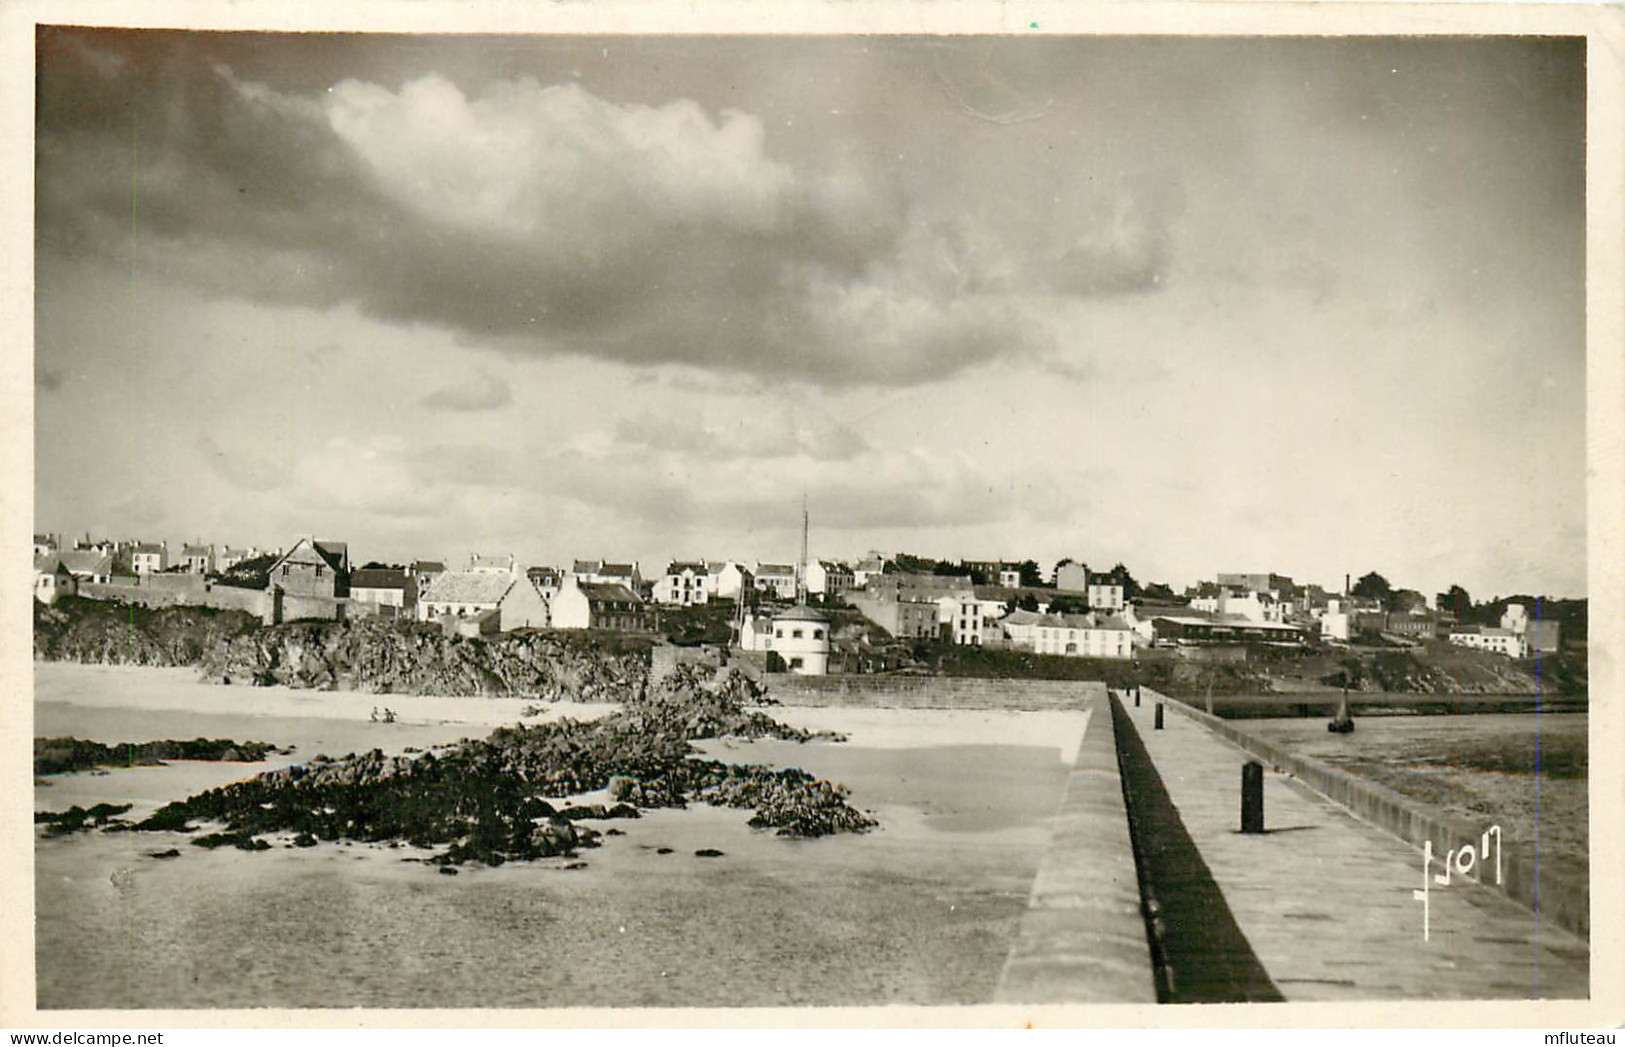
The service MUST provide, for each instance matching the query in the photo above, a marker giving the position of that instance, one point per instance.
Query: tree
(1457, 602)
(1068, 605)
(1120, 576)
(1026, 602)
(1062, 562)
(1158, 591)
(1407, 600)
(1373, 587)
(1030, 574)
(905, 563)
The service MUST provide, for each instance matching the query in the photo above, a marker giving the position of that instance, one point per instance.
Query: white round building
(801, 638)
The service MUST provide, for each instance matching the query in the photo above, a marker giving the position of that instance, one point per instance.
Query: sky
(1310, 306)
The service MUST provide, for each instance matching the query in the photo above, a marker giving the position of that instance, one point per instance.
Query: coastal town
(805, 617)
(587, 519)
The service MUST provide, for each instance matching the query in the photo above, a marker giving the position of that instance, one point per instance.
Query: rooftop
(468, 587)
(378, 578)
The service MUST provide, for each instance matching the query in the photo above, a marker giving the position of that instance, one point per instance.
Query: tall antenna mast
(801, 569)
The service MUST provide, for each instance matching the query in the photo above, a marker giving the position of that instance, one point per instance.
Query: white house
(384, 587)
(199, 559)
(52, 579)
(230, 557)
(601, 572)
(88, 565)
(1084, 636)
(492, 564)
(471, 594)
(1021, 628)
(967, 621)
(597, 605)
(1251, 604)
(1489, 638)
(685, 584)
(777, 578)
(728, 579)
(149, 557)
(801, 638)
(828, 578)
(1105, 594)
(756, 632)
(871, 566)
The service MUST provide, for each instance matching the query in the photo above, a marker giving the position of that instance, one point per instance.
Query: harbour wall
(1565, 900)
(1083, 938)
(931, 692)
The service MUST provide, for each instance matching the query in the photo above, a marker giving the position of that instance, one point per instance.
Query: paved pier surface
(1324, 899)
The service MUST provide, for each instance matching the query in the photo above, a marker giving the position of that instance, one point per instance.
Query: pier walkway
(1324, 899)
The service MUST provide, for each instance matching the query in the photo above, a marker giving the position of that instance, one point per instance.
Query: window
(778, 634)
(818, 634)
(284, 570)
(318, 570)
(796, 634)
(795, 663)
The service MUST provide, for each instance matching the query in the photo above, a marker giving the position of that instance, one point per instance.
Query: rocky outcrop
(492, 800)
(386, 657)
(105, 633)
(372, 654)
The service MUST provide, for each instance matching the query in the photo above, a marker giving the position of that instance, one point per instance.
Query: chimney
(1346, 584)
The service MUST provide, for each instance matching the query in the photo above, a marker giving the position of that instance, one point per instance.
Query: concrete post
(1252, 797)
(1159, 716)
(1136, 696)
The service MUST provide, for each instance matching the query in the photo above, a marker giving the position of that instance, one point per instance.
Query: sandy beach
(922, 910)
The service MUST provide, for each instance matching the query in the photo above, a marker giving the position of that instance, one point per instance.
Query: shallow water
(922, 911)
(1479, 768)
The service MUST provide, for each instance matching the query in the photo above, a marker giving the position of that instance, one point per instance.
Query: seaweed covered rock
(60, 755)
(487, 800)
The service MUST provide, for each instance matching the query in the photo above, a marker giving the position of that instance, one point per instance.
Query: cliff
(375, 655)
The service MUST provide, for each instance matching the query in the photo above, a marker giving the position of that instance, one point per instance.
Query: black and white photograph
(626, 519)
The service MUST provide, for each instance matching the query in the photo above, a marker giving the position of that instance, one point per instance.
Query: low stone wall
(178, 590)
(1083, 939)
(1563, 899)
(930, 692)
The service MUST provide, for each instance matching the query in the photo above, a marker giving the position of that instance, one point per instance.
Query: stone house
(598, 605)
(313, 568)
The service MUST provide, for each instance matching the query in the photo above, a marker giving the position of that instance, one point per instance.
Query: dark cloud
(538, 219)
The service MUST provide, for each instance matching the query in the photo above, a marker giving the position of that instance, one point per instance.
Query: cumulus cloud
(542, 219)
(482, 392)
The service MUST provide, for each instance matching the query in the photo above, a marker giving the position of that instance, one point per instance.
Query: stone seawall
(930, 692)
(1083, 939)
(1563, 899)
(178, 590)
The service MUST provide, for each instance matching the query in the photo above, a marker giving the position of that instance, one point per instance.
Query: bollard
(1252, 797)
(1159, 716)
(1136, 697)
